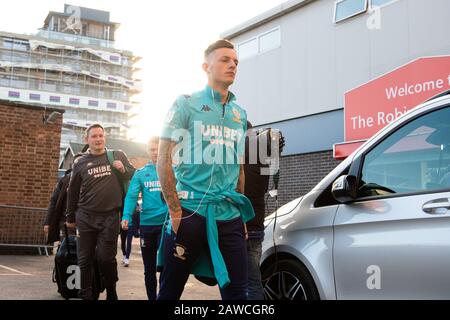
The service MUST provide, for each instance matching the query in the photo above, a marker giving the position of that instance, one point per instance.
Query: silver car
(377, 226)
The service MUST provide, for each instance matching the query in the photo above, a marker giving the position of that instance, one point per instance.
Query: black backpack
(123, 183)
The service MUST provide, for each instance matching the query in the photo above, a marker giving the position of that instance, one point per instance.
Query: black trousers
(97, 234)
(123, 241)
(150, 238)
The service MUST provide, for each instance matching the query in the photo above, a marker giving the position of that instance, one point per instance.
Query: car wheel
(288, 280)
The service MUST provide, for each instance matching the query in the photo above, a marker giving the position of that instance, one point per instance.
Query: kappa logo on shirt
(206, 108)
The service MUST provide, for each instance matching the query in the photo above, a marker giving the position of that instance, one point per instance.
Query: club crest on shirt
(237, 116)
(180, 252)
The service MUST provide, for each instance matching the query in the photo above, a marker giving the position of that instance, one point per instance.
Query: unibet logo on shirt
(100, 171)
(153, 185)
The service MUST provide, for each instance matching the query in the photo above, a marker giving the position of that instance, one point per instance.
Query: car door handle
(438, 206)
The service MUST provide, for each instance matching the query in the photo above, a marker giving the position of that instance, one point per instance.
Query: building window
(20, 57)
(55, 99)
(345, 9)
(106, 31)
(111, 105)
(248, 48)
(21, 45)
(75, 101)
(261, 43)
(8, 43)
(4, 81)
(35, 96)
(379, 3)
(49, 86)
(93, 103)
(269, 40)
(13, 94)
(84, 29)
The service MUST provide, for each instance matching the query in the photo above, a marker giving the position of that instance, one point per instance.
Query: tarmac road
(30, 278)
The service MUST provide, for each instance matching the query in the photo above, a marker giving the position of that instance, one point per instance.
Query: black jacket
(57, 208)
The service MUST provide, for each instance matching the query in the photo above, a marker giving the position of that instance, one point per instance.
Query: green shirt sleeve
(131, 198)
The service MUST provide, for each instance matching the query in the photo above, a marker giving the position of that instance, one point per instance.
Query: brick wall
(299, 174)
(29, 152)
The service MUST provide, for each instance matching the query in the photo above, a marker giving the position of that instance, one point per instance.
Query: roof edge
(269, 15)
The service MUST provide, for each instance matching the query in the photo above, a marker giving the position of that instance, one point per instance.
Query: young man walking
(94, 200)
(152, 216)
(207, 213)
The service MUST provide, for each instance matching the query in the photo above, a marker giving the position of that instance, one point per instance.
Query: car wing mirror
(344, 189)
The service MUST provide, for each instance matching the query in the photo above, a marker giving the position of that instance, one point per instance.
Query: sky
(169, 35)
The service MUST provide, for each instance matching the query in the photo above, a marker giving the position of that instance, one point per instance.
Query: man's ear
(206, 67)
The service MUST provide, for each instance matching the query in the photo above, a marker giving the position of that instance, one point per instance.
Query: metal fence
(23, 227)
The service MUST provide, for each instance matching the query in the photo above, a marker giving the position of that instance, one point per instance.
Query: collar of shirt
(210, 93)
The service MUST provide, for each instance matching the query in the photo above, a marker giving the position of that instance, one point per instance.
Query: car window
(415, 158)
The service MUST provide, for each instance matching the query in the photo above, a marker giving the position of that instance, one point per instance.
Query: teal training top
(211, 142)
(210, 146)
(154, 209)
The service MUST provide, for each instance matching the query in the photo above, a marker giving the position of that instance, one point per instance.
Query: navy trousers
(150, 238)
(182, 249)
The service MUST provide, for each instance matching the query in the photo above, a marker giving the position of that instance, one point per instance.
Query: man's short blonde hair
(154, 139)
(219, 44)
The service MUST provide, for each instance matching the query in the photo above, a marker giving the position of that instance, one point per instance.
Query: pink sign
(375, 104)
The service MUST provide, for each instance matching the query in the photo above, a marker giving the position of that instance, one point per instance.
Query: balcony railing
(54, 35)
(76, 64)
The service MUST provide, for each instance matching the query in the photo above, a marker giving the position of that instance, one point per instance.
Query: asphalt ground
(29, 277)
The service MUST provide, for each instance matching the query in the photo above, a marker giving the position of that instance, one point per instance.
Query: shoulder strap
(123, 184)
(110, 155)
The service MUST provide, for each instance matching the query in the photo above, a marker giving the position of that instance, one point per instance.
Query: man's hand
(119, 166)
(245, 232)
(125, 225)
(176, 220)
(46, 228)
(71, 225)
(241, 180)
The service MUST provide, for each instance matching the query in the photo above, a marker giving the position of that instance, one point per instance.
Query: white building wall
(318, 60)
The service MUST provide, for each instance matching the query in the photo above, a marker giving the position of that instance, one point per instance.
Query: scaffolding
(63, 70)
(82, 73)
